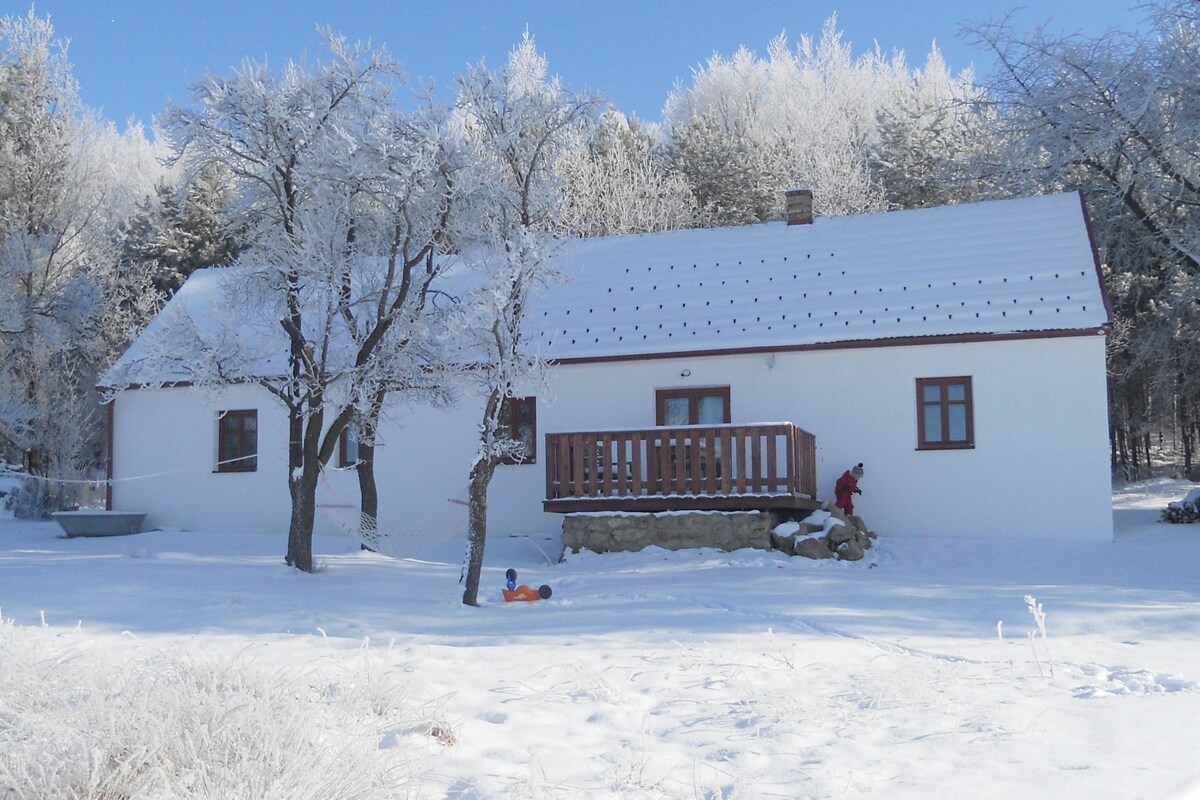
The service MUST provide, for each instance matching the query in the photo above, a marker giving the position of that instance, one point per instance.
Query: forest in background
(99, 226)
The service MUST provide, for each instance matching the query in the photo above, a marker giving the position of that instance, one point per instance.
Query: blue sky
(132, 56)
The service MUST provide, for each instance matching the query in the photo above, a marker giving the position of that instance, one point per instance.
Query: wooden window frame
(693, 396)
(247, 462)
(511, 407)
(923, 443)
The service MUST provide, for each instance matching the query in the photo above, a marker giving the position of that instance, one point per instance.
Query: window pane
(933, 423)
(675, 411)
(237, 441)
(525, 435)
(944, 413)
(958, 422)
(351, 447)
(518, 422)
(712, 409)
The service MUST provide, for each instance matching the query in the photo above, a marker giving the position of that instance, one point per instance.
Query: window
(519, 421)
(348, 447)
(708, 406)
(237, 441)
(945, 417)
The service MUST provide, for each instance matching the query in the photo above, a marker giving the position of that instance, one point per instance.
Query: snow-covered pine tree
(933, 133)
(183, 228)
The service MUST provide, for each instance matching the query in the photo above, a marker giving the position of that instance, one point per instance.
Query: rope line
(9, 472)
(419, 535)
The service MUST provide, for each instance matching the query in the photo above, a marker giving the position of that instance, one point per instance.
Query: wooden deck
(751, 467)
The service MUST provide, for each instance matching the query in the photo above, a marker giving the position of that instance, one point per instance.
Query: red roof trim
(859, 344)
(856, 344)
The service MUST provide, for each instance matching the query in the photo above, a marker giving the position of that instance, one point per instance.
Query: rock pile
(825, 534)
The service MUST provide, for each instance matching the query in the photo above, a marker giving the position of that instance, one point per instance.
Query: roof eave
(851, 344)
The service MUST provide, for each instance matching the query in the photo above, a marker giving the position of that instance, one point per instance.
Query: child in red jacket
(846, 487)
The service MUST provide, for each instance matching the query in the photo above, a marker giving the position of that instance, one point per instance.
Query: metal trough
(99, 523)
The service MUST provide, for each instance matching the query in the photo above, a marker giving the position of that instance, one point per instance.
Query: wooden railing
(775, 458)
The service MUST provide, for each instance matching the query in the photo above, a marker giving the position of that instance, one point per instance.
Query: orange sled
(524, 592)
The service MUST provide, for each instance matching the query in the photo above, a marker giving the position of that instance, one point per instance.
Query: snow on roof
(1002, 266)
(214, 307)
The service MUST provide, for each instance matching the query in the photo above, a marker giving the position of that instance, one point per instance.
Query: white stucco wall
(1039, 467)
(165, 455)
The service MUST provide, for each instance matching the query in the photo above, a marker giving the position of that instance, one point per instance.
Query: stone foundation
(617, 532)
(843, 537)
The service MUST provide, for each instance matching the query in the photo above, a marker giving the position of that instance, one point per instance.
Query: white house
(957, 352)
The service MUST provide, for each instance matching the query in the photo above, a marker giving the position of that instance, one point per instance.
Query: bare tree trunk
(1113, 427)
(304, 508)
(1112, 447)
(1191, 436)
(1123, 448)
(304, 469)
(367, 488)
(369, 494)
(1135, 453)
(1186, 427)
(481, 476)
(295, 462)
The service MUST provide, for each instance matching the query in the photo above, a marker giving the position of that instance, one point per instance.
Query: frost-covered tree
(407, 225)
(617, 180)
(517, 123)
(935, 134)
(1119, 115)
(322, 166)
(746, 129)
(729, 174)
(66, 182)
(182, 228)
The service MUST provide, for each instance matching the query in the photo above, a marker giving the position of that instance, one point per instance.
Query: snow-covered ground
(696, 674)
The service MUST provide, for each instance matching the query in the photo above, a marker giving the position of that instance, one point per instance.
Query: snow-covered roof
(213, 307)
(996, 267)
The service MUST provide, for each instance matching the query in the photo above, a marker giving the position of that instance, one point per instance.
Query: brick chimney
(799, 206)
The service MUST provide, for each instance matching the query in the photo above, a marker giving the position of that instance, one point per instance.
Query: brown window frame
(923, 442)
(246, 462)
(511, 407)
(693, 396)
